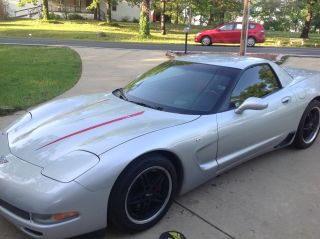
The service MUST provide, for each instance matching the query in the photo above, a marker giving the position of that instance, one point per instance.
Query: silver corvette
(76, 165)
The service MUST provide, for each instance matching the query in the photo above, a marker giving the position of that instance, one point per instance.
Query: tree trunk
(45, 10)
(176, 20)
(95, 14)
(108, 11)
(98, 12)
(211, 19)
(307, 23)
(163, 17)
(221, 17)
(144, 21)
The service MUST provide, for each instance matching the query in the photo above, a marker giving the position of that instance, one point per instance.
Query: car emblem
(3, 159)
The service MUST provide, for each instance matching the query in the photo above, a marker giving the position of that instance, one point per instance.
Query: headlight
(70, 166)
(19, 122)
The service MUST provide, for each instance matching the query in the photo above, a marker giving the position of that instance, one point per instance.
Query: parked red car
(230, 33)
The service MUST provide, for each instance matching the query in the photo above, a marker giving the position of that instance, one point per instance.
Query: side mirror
(252, 103)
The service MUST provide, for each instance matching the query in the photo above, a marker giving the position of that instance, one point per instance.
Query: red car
(230, 33)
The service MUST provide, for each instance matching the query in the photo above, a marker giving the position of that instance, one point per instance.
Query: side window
(238, 26)
(227, 27)
(257, 81)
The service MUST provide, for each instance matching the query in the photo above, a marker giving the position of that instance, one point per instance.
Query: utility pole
(244, 31)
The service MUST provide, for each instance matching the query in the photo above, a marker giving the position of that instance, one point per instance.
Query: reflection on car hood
(95, 123)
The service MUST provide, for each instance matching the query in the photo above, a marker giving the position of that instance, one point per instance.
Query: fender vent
(286, 141)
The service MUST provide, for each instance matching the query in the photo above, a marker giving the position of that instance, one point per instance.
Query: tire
(143, 193)
(206, 41)
(251, 42)
(309, 125)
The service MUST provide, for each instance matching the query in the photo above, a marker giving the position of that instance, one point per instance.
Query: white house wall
(125, 11)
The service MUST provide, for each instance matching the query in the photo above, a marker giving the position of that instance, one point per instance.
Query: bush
(135, 20)
(112, 24)
(75, 16)
(3, 10)
(53, 16)
(125, 19)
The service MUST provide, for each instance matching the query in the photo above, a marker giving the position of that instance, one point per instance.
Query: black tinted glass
(182, 87)
(257, 81)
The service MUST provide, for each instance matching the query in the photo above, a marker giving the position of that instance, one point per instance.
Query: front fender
(182, 140)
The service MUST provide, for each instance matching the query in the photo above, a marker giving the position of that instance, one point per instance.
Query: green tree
(144, 20)
(224, 10)
(311, 4)
(3, 10)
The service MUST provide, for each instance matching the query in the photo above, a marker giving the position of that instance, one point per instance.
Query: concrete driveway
(270, 197)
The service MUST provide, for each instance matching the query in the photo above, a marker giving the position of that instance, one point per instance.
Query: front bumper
(197, 38)
(23, 191)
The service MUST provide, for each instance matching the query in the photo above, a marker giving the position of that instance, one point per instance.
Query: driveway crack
(204, 220)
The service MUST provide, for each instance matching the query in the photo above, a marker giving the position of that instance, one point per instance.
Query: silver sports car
(74, 165)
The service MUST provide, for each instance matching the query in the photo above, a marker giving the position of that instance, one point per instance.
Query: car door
(224, 34)
(245, 135)
(237, 33)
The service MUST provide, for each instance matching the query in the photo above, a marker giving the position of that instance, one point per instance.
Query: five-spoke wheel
(143, 193)
(148, 194)
(309, 126)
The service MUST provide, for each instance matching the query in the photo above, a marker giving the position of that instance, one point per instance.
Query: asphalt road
(163, 47)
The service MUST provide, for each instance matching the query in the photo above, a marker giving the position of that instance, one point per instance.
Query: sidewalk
(270, 197)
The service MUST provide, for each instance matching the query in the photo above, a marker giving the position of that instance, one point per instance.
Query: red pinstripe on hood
(91, 128)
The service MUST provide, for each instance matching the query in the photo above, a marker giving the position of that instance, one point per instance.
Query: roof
(239, 62)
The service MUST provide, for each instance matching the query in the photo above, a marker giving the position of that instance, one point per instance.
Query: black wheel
(143, 193)
(309, 125)
(206, 41)
(251, 42)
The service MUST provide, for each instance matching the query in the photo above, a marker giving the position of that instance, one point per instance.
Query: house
(122, 10)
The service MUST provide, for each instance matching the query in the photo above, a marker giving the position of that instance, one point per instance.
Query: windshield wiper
(122, 95)
(146, 105)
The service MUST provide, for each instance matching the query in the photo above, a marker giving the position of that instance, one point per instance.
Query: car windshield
(180, 87)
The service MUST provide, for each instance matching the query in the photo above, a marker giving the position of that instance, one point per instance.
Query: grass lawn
(125, 32)
(31, 75)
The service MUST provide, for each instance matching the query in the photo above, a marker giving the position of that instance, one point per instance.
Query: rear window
(252, 26)
(239, 26)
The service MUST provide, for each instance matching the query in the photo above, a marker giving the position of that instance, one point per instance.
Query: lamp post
(244, 31)
(186, 32)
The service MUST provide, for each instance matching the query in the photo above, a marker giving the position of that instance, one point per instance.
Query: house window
(114, 7)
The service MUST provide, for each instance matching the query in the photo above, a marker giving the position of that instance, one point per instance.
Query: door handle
(286, 100)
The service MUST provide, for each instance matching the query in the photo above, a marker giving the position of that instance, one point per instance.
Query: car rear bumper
(24, 192)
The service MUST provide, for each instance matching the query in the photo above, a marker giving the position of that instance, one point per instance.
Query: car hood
(94, 123)
(209, 31)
